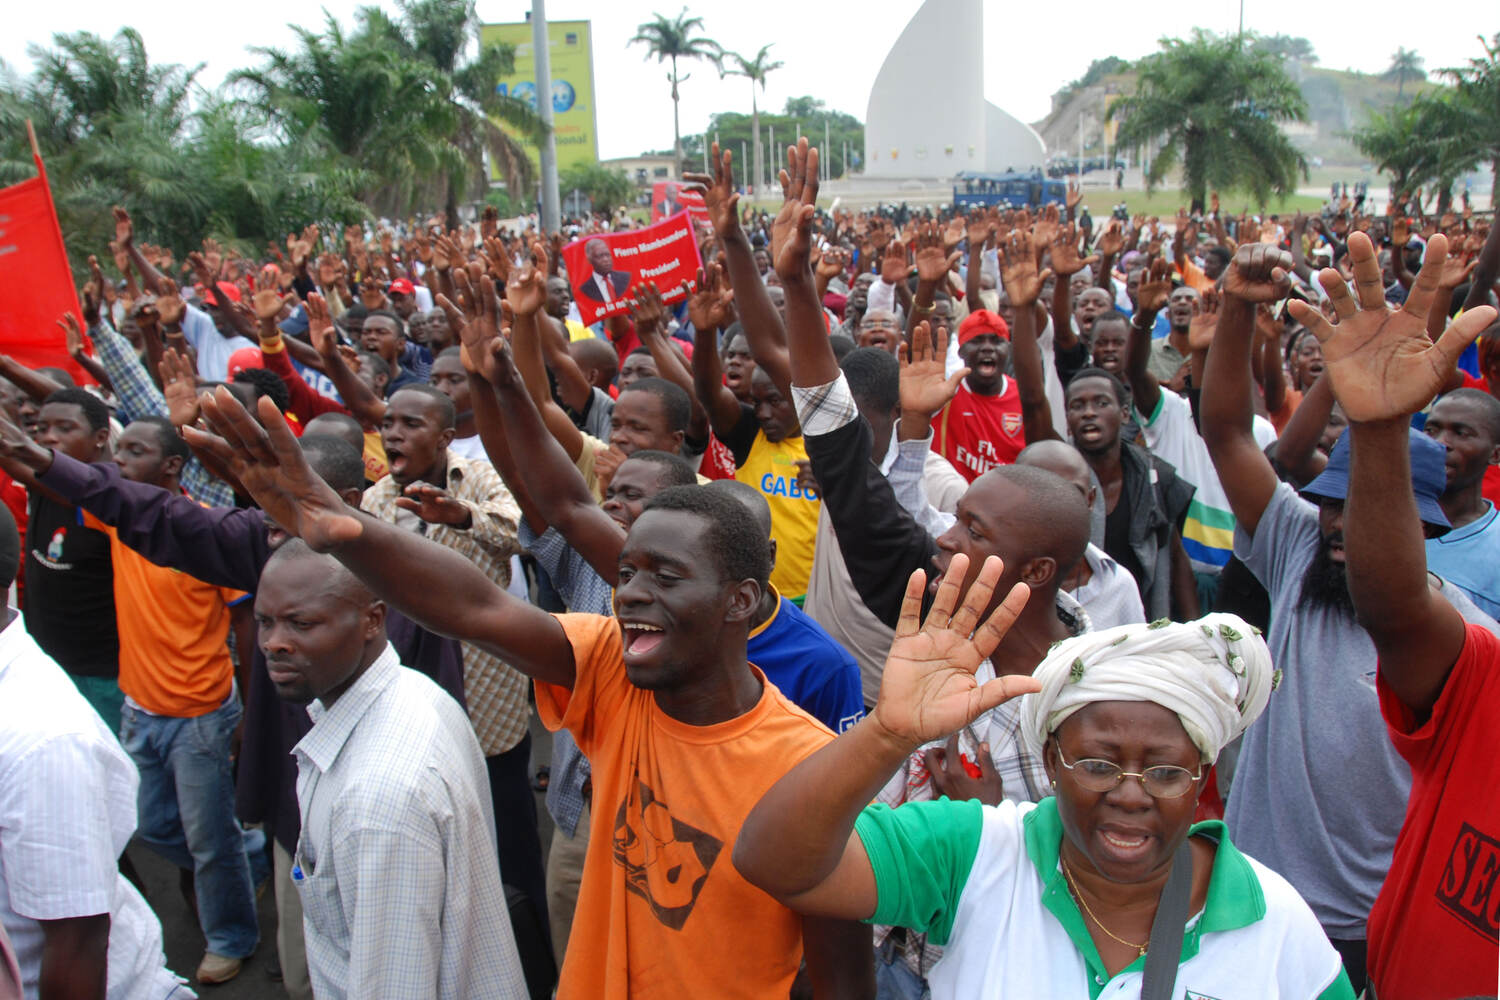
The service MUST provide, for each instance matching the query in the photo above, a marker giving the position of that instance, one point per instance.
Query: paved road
(184, 941)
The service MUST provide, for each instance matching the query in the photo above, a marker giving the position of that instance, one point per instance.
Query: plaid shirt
(496, 693)
(139, 397)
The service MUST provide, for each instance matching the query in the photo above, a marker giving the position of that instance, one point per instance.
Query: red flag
(36, 285)
(666, 253)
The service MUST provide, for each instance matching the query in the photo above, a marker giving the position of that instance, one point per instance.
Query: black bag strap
(1165, 947)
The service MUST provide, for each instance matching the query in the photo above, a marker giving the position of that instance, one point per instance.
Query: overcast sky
(831, 50)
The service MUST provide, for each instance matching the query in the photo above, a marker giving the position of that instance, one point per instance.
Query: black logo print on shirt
(1470, 886)
(666, 861)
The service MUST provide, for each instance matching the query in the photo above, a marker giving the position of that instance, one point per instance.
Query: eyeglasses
(1164, 781)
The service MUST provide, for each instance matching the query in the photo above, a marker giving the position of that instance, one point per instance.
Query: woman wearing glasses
(1060, 898)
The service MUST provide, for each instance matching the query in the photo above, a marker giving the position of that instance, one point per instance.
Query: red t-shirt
(976, 433)
(1432, 931)
(718, 460)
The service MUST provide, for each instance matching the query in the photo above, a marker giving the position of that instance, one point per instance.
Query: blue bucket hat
(1429, 477)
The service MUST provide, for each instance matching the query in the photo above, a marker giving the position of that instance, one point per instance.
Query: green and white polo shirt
(984, 883)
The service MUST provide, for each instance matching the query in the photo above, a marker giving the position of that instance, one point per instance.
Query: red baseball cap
(245, 357)
(982, 321)
(402, 286)
(225, 288)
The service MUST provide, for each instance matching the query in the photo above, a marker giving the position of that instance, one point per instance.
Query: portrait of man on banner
(604, 284)
(606, 267)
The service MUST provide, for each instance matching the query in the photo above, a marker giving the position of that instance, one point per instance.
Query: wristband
(272, 344)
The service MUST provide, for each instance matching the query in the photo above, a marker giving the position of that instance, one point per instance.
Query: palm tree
(1476, 101)
(1215, 108)
(755, 70)
(436, 33)
(673, 40)
(1405, 65)
(374, 108)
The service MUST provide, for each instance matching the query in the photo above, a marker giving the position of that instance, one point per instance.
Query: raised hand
(1074, 196)
(268, 300)
(263, 454)
(1382, 364)
(1018, 270)
(169, 304)
(647, 310)
(93, 292)
(371, 294)
(933, 259)
(1066, 260)
(711, 306)
(124, 228)
(1155, 287)
(435, 505)
(925, 386)
(1205, 321)
(320, 329)
(1046, 228)
(526, 288)
(719, 196)
(72, 333)
(894, 266)
(179, 386)
(477, 323)
(927, 689)
(1455, 272)
(980, 229)
(953, 233)
(831, 263)
(1111, 241)
(1259, 273)
(791, 230)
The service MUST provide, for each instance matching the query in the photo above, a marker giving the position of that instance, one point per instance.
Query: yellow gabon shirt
(772, 469)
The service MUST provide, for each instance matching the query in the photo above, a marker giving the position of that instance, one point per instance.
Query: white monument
(927, 115)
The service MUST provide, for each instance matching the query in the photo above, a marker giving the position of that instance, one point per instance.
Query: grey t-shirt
(1319, 791)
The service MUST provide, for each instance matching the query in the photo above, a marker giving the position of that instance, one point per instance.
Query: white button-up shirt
(397, 866)
(67, 810)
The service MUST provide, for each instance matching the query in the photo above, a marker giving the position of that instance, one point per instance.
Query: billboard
(571, 46)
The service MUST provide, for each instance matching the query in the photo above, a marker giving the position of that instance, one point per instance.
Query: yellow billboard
(574, 128)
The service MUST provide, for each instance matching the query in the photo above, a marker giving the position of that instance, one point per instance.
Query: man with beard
(1322, 803)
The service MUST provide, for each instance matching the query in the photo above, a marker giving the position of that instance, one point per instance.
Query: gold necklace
(1078, 894)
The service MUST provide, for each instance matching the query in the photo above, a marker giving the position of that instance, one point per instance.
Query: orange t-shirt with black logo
(174, 633)
(662, 912)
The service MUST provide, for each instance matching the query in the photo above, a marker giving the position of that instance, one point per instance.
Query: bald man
(1106, 589)
(411, 837)
(605, 284)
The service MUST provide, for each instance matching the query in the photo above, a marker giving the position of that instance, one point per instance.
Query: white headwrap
(1215, 673)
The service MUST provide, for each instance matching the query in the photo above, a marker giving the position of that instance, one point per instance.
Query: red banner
(36, 286)
(607, 269)
(670, 197)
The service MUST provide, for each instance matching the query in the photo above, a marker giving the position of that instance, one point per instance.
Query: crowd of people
(933, 605)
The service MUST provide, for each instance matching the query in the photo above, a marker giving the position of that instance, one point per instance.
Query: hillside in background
(1337, 103)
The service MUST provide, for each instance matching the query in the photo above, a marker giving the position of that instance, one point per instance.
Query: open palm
(265, 457)
(1381, 362)
(928, 689)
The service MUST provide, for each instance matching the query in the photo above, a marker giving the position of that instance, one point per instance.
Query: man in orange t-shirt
(181, 710)
(683, 733)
